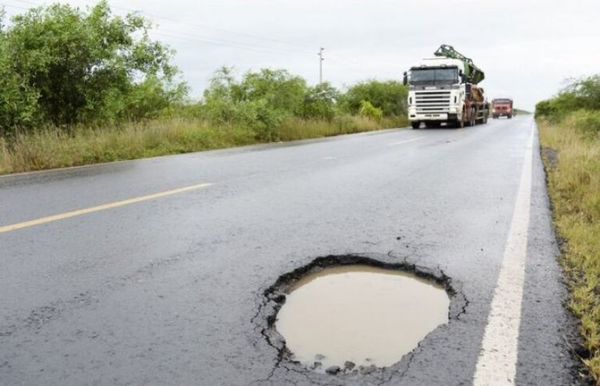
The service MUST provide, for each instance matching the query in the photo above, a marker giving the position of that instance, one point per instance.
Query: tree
(18, 101)
(86, 66)
(389, 96)
(280, 90)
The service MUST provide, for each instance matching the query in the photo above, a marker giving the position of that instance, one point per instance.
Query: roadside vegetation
(522, 112)
(570, 134)
(85, 86)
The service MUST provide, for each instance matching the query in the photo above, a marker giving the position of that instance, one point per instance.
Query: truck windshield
(433, 76)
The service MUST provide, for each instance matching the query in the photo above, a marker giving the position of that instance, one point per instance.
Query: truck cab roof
(439, 62)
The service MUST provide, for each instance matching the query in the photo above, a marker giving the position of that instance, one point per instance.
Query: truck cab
(502, 107)
(436, 94)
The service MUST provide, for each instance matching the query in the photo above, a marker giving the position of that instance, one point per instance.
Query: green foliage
(558, 106)
(578, 95)
(267, 100)
(263, 100)
(79, 86)
(389, 96)
(320, 101)
(18, 100)
(247, 103)
(64, 66)
(367, 110)
(150, 97)
(281, 91)
(586, 92)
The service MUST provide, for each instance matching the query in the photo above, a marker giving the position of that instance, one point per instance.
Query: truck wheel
(509, 116)
(415, 125)
(473, 118)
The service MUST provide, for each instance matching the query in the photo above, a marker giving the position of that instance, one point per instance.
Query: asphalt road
(166, 288)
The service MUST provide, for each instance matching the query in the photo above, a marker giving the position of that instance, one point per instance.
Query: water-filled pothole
(359, 315)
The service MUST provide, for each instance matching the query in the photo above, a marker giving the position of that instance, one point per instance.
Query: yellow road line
(112, 205)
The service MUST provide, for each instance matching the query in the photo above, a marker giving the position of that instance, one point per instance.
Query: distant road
(150, 271)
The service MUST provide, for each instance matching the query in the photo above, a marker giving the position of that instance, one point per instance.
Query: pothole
(358, 315)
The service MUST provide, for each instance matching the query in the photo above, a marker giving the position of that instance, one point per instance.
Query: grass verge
(572, 159)
(53, 148)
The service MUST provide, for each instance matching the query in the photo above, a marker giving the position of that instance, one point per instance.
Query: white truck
(443, 90)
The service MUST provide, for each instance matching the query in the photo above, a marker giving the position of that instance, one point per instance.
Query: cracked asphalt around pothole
(153, 271)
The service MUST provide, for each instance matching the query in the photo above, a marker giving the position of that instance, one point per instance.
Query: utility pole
(321, 59)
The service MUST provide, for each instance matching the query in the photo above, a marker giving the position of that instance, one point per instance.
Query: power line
(220, 42)
(208, 39)
(205, 26)
(13, 6)
(291, 48)
(195, 25)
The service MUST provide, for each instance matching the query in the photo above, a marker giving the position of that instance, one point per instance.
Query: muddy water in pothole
(361, 314)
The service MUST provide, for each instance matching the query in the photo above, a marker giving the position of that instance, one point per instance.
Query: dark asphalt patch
(274, 297)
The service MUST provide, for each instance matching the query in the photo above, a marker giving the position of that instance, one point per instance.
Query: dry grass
(294, 129)
(574, 184)
(52, 148)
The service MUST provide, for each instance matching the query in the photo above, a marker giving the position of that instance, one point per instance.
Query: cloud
(526, 49)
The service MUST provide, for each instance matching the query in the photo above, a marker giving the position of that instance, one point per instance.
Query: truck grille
(432, 102)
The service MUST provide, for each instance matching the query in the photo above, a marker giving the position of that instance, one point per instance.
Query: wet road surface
(166, 289)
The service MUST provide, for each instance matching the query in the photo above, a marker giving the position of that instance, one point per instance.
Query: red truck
(502, 107)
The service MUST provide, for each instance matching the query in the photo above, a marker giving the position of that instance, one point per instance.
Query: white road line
(499, 349)
(405, 141)
(80, 212)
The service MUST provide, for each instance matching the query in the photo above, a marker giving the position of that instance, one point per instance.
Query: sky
(527, 48)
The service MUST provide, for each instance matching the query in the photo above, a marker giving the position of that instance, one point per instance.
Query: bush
(580, 94)
(320, 102)
(367, 110)
(260, 101)
(587, 92)
(389, 96)
(279, 90)
(557, 107)
(545, 109)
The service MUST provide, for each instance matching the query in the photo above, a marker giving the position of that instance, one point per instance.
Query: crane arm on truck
(472, 72)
